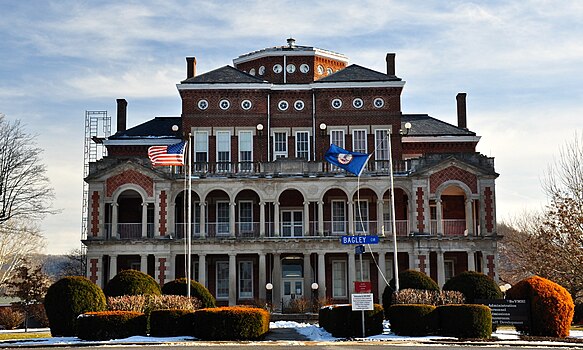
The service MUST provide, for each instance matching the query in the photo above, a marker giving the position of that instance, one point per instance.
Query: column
(439, 217)
(308, 279)
(144, 219)
(262, 277)
(471, 261)
(383, 268)
(306, 218)
(350, 217)
(351, 272)
(469, 218)
(144, 263)
(171, 219)
(276, 281)
(232, 279)
(320, 219)
(440, 269)
(202, 209)
(261, 219)
(381, 229)
(170, 267)
(202, 269)
(114, 232)
(321, 275)
(276, 219)
(232, 219)
(112, 266)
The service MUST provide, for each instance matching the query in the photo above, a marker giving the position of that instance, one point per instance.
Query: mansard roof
(159, 127)
(424, 125)
(355, 73)
(224, 75)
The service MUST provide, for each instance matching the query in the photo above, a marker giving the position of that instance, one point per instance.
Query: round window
(336, 103)
(224, 104)
(357, 103)
(299, 105)
(378, 102)
(283, 105)
(246, 104)
(203, 104)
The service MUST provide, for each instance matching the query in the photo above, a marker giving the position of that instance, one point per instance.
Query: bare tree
(550, 243)
(25, 191)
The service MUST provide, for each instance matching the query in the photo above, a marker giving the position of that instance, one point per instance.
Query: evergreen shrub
(474, 285)
(551, 307)
(231, 323)
(578, 315)
(413, 319)
(68, 298)
(171, 323)
(197, 290)
(131, 282)
(341, 321)
(465, 321)
(107, 325)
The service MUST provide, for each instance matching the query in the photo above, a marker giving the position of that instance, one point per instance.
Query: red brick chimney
(461, 110)
(390, 63)
(122, 106)
(190, 67)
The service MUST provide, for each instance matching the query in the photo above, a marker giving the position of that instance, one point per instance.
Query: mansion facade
(267, 211)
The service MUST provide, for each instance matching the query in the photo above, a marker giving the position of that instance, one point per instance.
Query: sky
(520, 62)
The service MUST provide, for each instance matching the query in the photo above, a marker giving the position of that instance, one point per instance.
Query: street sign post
(359, 249)
(359, 239)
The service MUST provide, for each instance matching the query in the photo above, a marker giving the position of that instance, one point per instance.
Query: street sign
(359, 240)
(359, 249)
(362, 287)
(362, 302)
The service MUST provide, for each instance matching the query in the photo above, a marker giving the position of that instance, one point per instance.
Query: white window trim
(357, 224)
(195, 140)
(365, 139)
(275, 154)
(292, 212)
(332, 221)
(240, 222)
(365, 268)
(384, 141)
(241, 296)
(345, 295)
(452, 262)
(217, 280)
(307, 141)
(217, 222)
(332, 131)
(239, 143)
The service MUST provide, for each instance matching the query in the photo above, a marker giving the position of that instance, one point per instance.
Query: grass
(23, 335)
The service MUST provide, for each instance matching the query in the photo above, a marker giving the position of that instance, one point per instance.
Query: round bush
(474, 285)
(408, 279)
(68, 298)
(197, 290)
(132, 282)
(551, 306)
(412, 319)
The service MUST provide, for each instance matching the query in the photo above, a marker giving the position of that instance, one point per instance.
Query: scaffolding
(97, 128)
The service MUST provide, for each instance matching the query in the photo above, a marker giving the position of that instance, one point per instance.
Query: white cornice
(141, 142)
(231, 86)
(280, 87)
(420, 139)
(357, 84)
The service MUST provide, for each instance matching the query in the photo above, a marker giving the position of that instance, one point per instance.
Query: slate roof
(424, 125)
(159, 127)
(224, 75)
(355, 73)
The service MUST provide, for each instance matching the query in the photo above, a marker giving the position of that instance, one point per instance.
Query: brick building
(267, 209)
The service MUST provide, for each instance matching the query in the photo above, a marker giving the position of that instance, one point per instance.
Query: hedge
(474, 285)
(341, 321)
(132, 282)
(231, 323)
(413, 319)
(170, 323)
(408, 279)
(107, 325)
(465, 321)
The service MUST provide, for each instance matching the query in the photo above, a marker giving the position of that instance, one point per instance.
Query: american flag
(167, 155)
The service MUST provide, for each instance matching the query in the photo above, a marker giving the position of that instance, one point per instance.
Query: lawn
(23, 335)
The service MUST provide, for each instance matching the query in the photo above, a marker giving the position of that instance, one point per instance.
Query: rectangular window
(245, 279)
(222, 291)
(338, 217)
(449, 269)
(337, 138)
(245, 217)
(201, 148)
(292, 223)
(303, 145)
(223, 211)
(365, 270)
(361, 216)
(223, 151)
(279, 145)
(245, 151)
(382, 149)
(359, 141)
(339, 284)
(389, 268)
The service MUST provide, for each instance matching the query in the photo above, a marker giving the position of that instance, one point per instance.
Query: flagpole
(393, 221)
(189, 227)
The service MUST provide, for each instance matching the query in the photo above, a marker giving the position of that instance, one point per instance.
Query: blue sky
(521, 63)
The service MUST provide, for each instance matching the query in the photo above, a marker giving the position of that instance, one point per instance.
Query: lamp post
(269, 288)
(393, 220)
(315, 287)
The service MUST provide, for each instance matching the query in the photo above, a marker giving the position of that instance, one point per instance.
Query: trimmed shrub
(578, 315)
(68, 298)
(413, 319)
(147, 303)
(341, 321)
(197, 290)
(231, 323)
(428, 297)
(170, 323)
(11, 319)
(408, 279)
(107, 325)
(551, 307)
(131, 282)
(474, 285)
(465, 321)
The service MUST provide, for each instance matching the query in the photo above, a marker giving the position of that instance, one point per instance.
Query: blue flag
(353, 162)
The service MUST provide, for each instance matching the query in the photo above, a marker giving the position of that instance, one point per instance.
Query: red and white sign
(362, 287)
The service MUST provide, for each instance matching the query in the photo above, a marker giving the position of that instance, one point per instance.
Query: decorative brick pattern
(420, 211)
(162, 270)
(93, 270)
(163, 213)
(422, 264)
(453, 173)
(489, 207)
(95, 214)
(491, 265)
(130, 176)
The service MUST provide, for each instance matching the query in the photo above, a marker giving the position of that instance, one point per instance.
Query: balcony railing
(451, 227)
(402, 226)
(129, 230)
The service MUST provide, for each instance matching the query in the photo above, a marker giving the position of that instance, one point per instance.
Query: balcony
(128, 231)
(451, 227)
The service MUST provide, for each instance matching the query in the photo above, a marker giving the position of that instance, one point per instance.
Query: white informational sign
(362, 302)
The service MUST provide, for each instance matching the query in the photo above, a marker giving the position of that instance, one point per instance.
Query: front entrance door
(293, 288)
(292, 280)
